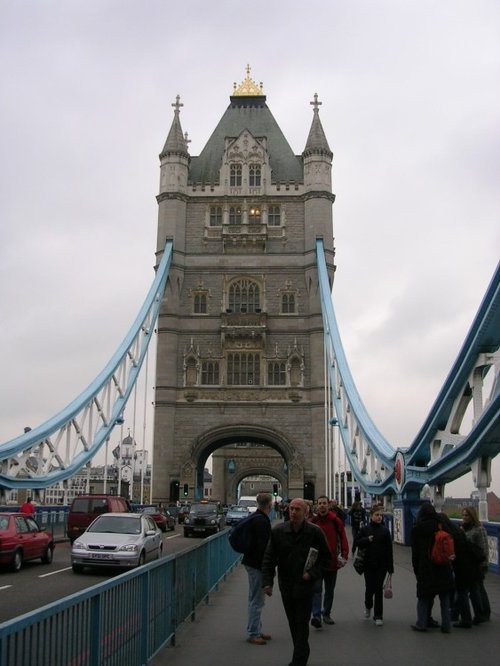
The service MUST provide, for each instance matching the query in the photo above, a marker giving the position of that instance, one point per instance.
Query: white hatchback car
(117, 540)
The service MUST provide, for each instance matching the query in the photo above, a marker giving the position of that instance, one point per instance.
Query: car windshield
(116, 525)
(249, 502)
(239, 509)
(203, 508)
(150, 509)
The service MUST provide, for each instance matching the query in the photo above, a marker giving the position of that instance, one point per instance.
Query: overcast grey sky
(410, 105)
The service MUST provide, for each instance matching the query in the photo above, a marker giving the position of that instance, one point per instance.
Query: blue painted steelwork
(59, 448)
(126, 620)
(439, 453)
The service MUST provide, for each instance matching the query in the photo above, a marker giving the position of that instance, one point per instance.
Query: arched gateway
(240, 333)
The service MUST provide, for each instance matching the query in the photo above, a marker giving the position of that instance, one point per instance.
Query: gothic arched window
(210, 372)
(243, 369)
(274, 216)
(287, 303)
(254, 175)
(235, 215)
(235, 175)
(276, 373)
(244, 296)
(215, 216)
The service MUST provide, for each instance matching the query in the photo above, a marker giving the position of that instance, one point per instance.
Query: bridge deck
(217, 636)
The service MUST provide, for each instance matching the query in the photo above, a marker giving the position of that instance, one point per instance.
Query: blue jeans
(329, 581)
(424, 606)
(255, 602)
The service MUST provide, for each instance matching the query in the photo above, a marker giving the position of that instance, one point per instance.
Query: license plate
(101, 556)
(199, 529)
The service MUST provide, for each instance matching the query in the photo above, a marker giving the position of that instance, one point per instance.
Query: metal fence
(123, 622)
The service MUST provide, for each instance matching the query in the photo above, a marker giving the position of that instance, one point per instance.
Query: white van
(249, 501)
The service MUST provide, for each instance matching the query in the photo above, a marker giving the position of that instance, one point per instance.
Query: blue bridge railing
(124, 621)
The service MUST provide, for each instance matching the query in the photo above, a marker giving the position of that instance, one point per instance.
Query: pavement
(217, 636)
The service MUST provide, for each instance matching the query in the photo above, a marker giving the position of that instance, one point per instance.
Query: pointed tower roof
(176, 141)
(316, 141)
(247, 111)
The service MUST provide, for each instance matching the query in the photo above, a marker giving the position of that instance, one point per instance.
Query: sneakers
(378, 622)
(367, 613)
(316, 622)
(328, 620)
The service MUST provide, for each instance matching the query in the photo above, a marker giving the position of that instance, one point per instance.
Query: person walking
(478, 540)
(376, 540)
(357, 514)
(259, 530)
(432, 579)
(336, 538)
(28, 507)
(300, 552)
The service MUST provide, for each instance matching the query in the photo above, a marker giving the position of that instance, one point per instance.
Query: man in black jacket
(290, 548)
(260, 529)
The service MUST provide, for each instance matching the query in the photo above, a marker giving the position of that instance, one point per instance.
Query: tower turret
(174, 167)
(317, 158)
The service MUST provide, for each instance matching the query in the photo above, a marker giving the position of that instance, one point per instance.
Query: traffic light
(275, 489)
(186, 490)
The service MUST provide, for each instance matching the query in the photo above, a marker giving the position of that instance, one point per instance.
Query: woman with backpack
(478, 539)
(432, 579)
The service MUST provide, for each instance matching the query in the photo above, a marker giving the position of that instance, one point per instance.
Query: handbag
(388, 587)
(359, 560)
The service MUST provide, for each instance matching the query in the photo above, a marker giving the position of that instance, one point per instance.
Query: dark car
(235, 514)
(204, 518)
(162, 518)
(22, 539)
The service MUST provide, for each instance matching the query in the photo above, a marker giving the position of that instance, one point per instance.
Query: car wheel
(160, 551)
(48, 556)
(172, 527)
(17, 562)
(186, 533)
(142, 559)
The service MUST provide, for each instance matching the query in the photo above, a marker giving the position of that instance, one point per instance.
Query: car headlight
(129, 547)
(212, 522)
(78, 545)
(186, 520)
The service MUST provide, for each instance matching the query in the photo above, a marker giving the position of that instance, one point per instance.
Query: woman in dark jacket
(376, 539)
(432, 579)
(466, 573)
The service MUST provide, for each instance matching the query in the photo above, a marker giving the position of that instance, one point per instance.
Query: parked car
(117, 540)
(235, 514)
(204, 518)
(161, 516)
(22, 539)
(85, 508)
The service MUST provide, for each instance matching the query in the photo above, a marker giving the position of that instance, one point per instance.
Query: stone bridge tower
(240, 332)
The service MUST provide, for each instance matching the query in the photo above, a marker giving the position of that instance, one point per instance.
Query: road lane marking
(5, 587)
(174, 536)
(52, 573)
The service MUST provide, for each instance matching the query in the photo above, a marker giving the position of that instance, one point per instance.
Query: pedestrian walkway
(217, 636)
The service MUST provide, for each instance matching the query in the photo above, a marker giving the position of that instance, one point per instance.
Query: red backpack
(443, 548)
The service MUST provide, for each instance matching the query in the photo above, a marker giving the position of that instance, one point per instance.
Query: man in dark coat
(260, 529)
(432, 579)
(300, 551)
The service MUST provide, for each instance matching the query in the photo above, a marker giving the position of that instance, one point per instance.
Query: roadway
(39, 584)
